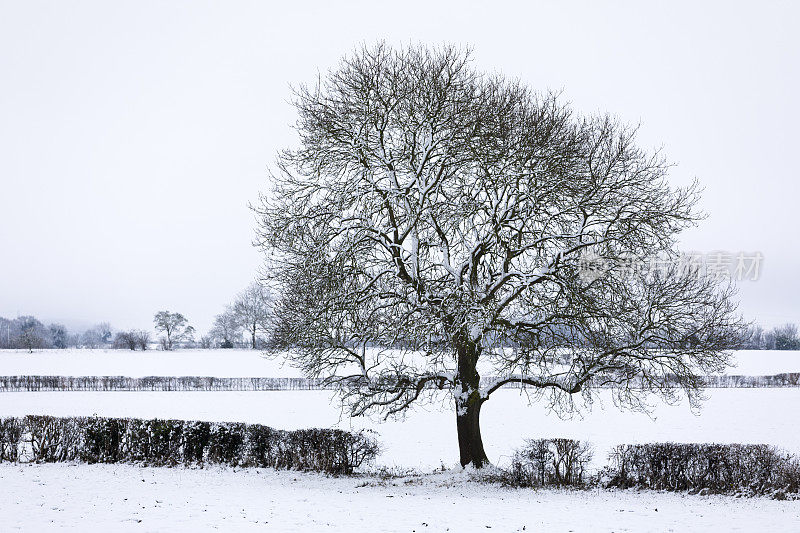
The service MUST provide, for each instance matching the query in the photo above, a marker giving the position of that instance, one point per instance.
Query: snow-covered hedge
(749, 469)
(727, 468)
(211, 383)
(154, 383)
(789, 379)
(173, 442)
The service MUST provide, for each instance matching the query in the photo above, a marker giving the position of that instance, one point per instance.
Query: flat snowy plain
(246, 363)
(425, 439)
(114, 497)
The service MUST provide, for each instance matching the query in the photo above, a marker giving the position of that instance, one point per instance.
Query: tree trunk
(470, 444)
(468, 406)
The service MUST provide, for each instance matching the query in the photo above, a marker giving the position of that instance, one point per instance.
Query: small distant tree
(206, 341)
(752, 338)
(786, 337)
(91, 339)
(74, 340)
(174, 326)
(6, 328)
(253, 311)
(142, 339)
(125, 340)
(227, 329)
(33, 334)
(104, 331)
(58, 336)
(97, 336)
(132, 339)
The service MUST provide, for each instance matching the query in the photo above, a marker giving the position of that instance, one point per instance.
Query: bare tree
(431, 226)
(125, 340)
(206, 341)
(752, 338)
(32, 333)
(91, 339)
(786, 337)
(7, 339)
(58, 335)
(97, 336)
(175, 328)
(141, 338)
(227, 329)
(253, 311)
(103, 329)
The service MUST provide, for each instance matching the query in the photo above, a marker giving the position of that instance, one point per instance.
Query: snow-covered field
(79, 362)
(247, 363)
(123, 497)
(120, 497)
(426, 438)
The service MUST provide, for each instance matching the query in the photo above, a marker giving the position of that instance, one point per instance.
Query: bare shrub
(549, 462)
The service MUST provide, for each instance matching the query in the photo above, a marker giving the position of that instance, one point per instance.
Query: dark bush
(10, 435)
(172, 442)
(549, 462)
(267, 447)
(196, 438)
(103, 439)
(166, 440)
(226, 443)
(328, 450)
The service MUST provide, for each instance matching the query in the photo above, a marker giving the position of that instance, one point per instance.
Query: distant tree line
(247, 322)
(30, 333)
(783, 337)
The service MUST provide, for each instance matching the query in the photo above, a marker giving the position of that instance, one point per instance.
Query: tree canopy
(433, 223)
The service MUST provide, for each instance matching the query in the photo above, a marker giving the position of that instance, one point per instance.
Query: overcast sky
(134, 134)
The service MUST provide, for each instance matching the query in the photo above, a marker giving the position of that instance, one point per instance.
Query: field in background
(248, 363)
(80, 362)
(426, 438)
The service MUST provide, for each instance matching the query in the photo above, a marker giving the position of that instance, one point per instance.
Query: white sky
(134, 134)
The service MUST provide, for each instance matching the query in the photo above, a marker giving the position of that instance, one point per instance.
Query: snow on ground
(81, 362)
(765, 362)
(124, 497)
(427, 437)
(121, 497)
(247, 363)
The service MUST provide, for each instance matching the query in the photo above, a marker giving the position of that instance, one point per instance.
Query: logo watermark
(738, 266)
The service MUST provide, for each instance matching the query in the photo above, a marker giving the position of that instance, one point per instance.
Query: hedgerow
(720, 468)
(47, 439)
(746, 469)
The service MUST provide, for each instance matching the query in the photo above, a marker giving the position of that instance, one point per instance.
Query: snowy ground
(120, 497)
(123, 497)
(246, 363)
(79, 362)
(426, 438)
